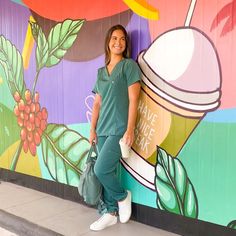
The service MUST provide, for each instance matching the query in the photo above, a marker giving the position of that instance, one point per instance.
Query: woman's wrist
(92, 129)
(130, 129)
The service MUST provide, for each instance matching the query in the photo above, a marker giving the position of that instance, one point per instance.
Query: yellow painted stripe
(28, 46)
(143, 8)
(27, 164)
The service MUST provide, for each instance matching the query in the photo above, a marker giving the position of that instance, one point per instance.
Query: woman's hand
(128, 137)
(95, 114)
(92, 137)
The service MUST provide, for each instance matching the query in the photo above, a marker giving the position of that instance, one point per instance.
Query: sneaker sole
(98, 229)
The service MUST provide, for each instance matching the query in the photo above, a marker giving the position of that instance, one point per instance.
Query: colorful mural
(183, 157)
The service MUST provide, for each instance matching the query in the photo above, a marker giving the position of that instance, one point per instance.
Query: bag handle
(92, 149)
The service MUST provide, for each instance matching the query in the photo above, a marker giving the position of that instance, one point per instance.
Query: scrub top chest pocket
(119, 85)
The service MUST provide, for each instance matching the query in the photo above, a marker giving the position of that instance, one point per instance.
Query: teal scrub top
(113, 88)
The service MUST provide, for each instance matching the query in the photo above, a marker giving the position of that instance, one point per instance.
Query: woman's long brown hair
(107, 40)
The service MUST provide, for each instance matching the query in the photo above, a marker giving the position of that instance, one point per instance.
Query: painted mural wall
(183, 158)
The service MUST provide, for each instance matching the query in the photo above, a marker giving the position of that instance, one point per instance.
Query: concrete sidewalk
(26, 212)
(4, 232)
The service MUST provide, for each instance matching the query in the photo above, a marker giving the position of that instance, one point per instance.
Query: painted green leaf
(34, 29)
(232, 224)
(12, 64)
(42, 50)
(61, 38)
(64, 153)
(175, 192)
(42, 45)
(5, 93)
(9, 130)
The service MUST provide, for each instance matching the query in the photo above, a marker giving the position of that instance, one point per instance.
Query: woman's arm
(95, 115)
(133, 91)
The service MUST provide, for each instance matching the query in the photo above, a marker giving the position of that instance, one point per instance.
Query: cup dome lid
(184, 64)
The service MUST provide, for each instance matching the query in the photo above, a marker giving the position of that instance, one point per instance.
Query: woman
(113, 117)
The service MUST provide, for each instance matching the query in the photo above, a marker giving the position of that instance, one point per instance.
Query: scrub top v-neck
(113, 88)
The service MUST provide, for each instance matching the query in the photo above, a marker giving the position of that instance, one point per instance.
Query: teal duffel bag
(89, 186)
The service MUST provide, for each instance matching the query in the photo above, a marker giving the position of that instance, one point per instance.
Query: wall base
(143, 214)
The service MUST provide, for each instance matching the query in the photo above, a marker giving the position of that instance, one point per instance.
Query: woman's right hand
(93, 136)
(95, 115)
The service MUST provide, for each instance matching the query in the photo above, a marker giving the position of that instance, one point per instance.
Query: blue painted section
(222, 116)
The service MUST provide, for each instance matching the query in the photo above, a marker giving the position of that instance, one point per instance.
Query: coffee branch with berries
(31, 119)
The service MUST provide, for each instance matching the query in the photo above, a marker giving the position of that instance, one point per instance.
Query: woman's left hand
(128, 137)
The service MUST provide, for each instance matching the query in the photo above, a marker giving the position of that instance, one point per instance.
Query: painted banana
(143, 8)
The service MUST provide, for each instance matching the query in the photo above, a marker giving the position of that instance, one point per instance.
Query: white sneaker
(125, 208)
(103, 222)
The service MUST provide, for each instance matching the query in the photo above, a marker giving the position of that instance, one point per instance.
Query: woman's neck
(115, 59)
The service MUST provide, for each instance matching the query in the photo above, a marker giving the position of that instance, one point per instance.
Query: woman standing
(113, 117)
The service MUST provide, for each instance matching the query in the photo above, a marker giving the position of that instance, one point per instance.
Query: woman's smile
(117, 42)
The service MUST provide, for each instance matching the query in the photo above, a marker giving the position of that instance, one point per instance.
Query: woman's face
(117, 42)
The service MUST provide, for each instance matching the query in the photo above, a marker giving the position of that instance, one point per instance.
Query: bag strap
(94, 146)
(92, 149)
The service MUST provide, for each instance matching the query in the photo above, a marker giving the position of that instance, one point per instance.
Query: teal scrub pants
(106, 171)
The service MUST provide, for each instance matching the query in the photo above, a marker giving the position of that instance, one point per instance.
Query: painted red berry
(30, 136)
(17, 96)
(40, 132)
(25, 146)
(21, 105)
(43, 125)
(36, 97)
(26, 116)
(27, 109)
(27, 95)
(37, 138)
(23, 134)
(21, 115)
(39, 115)
(44, 113)
(31, 117)
(20, 121)
(32, 107)
(37, 107)
(25, 123)
(32, 148)
(16, 110)
(29, 101)
(37, 122)
(33, 127)
(29, 126)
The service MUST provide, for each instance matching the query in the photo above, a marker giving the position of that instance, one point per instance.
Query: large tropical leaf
(64, 153)
(9, 130)
(61, 38)
(12, 64)
(175, 192)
